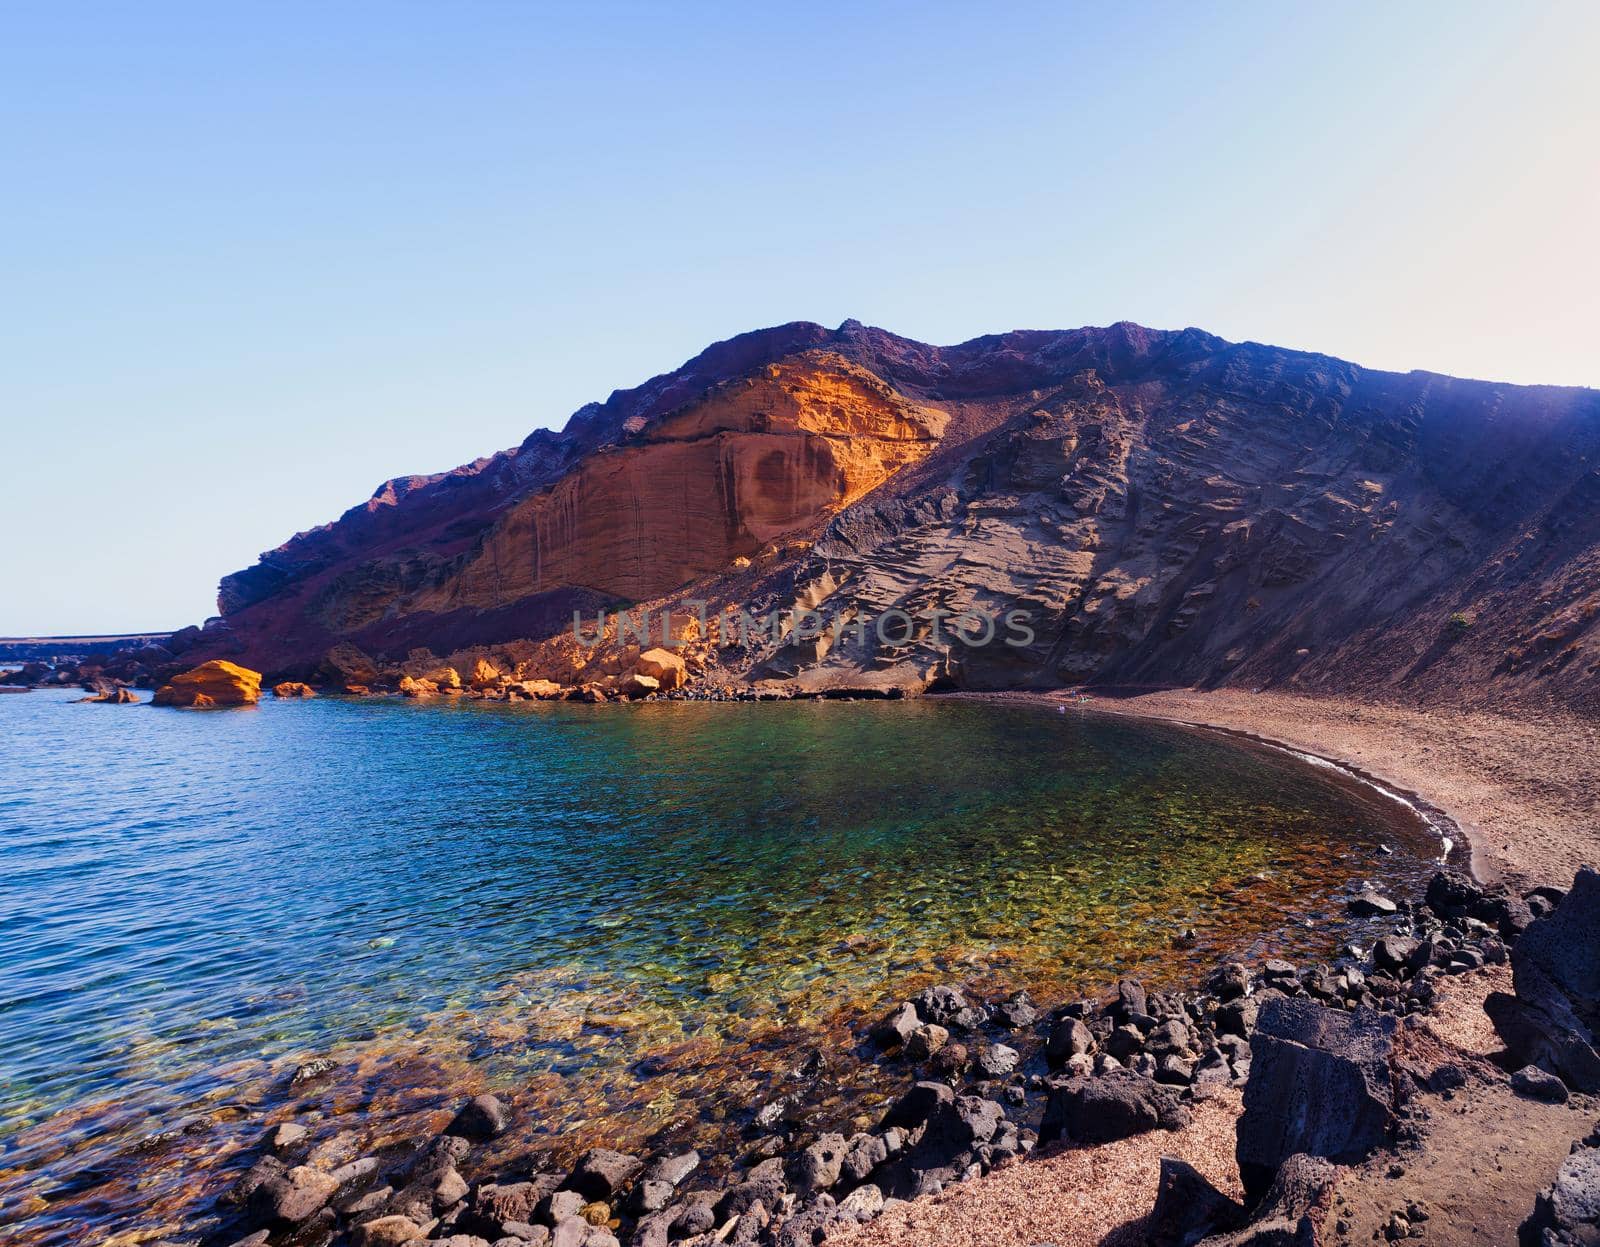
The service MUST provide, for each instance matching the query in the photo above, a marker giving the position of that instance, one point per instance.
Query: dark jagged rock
(1014, 1012)
(1113, 1106)
(600, 1173)
(765, 1184)
(1568, 1213)
(1536, 1084)
(866, 1153)
(1068, 1036)
(997, 1060)
(444, 1152)
(1188, 1207)
(1229, 982)
(1130, 1001)
(939, 1005)
(1550, 1021)
(672, 1170)
(818, 1166)
(807, 1229)
(1452, 894)
(925, 1040)
(893, 1030)
(1319, 1084)
(292, 1199)
(494, 1206)
(917, 1105)
(1372, 903)
(1398, 953)
(1288, 1213)
(957, 1126)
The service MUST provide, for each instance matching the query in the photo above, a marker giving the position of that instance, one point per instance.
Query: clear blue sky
(258, 257)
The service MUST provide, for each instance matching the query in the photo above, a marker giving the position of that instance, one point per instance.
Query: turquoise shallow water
(548, 897)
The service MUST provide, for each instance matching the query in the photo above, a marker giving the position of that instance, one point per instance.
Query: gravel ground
(1074, 1198)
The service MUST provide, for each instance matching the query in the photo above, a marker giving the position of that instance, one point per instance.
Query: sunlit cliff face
(757, 458)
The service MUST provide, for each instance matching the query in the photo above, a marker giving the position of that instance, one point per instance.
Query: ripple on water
(633, 918)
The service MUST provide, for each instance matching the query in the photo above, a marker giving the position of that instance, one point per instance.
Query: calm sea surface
(627, 919)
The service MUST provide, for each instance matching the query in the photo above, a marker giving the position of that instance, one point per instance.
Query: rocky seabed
(1319, 1052)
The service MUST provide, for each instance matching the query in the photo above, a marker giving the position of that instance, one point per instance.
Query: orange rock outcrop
(293, 688)
(663, 666)
(215, 683)
(757, 458)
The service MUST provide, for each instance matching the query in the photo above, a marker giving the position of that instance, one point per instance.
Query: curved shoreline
(1462, 843)
(1452, 833)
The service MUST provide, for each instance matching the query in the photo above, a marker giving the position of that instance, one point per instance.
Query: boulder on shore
(293, 688)
(1287, 1216)
(537, 690)
(637, 685)
(485, 674)
(1319, 1084)
(1116, 1105)
(215, 683)
(1553, 1019)
(349, 664)
(1568, 1213)
(664, 667)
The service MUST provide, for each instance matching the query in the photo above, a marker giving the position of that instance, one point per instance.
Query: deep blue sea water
(543, 895)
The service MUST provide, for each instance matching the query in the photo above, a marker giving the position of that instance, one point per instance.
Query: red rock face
(1166, 507)
(754, 460)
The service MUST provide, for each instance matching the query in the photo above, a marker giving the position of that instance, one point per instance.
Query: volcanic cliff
(1161, 507)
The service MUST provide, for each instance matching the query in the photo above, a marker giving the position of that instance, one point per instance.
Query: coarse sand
(1526, 790)
(1073, 1198)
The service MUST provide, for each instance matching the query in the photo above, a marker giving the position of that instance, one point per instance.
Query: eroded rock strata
(1160, 506)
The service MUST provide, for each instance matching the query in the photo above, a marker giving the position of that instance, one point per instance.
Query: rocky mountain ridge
(1164, 507)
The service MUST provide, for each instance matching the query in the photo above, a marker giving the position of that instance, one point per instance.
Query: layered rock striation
(1156, 507)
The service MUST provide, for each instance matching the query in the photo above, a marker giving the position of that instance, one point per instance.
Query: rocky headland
(1162, 508)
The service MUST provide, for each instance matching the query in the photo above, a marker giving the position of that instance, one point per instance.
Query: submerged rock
(482, 1118)
(114, 697)
(1371, 902)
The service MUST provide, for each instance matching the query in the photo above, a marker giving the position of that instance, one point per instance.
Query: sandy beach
(1526, 790)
